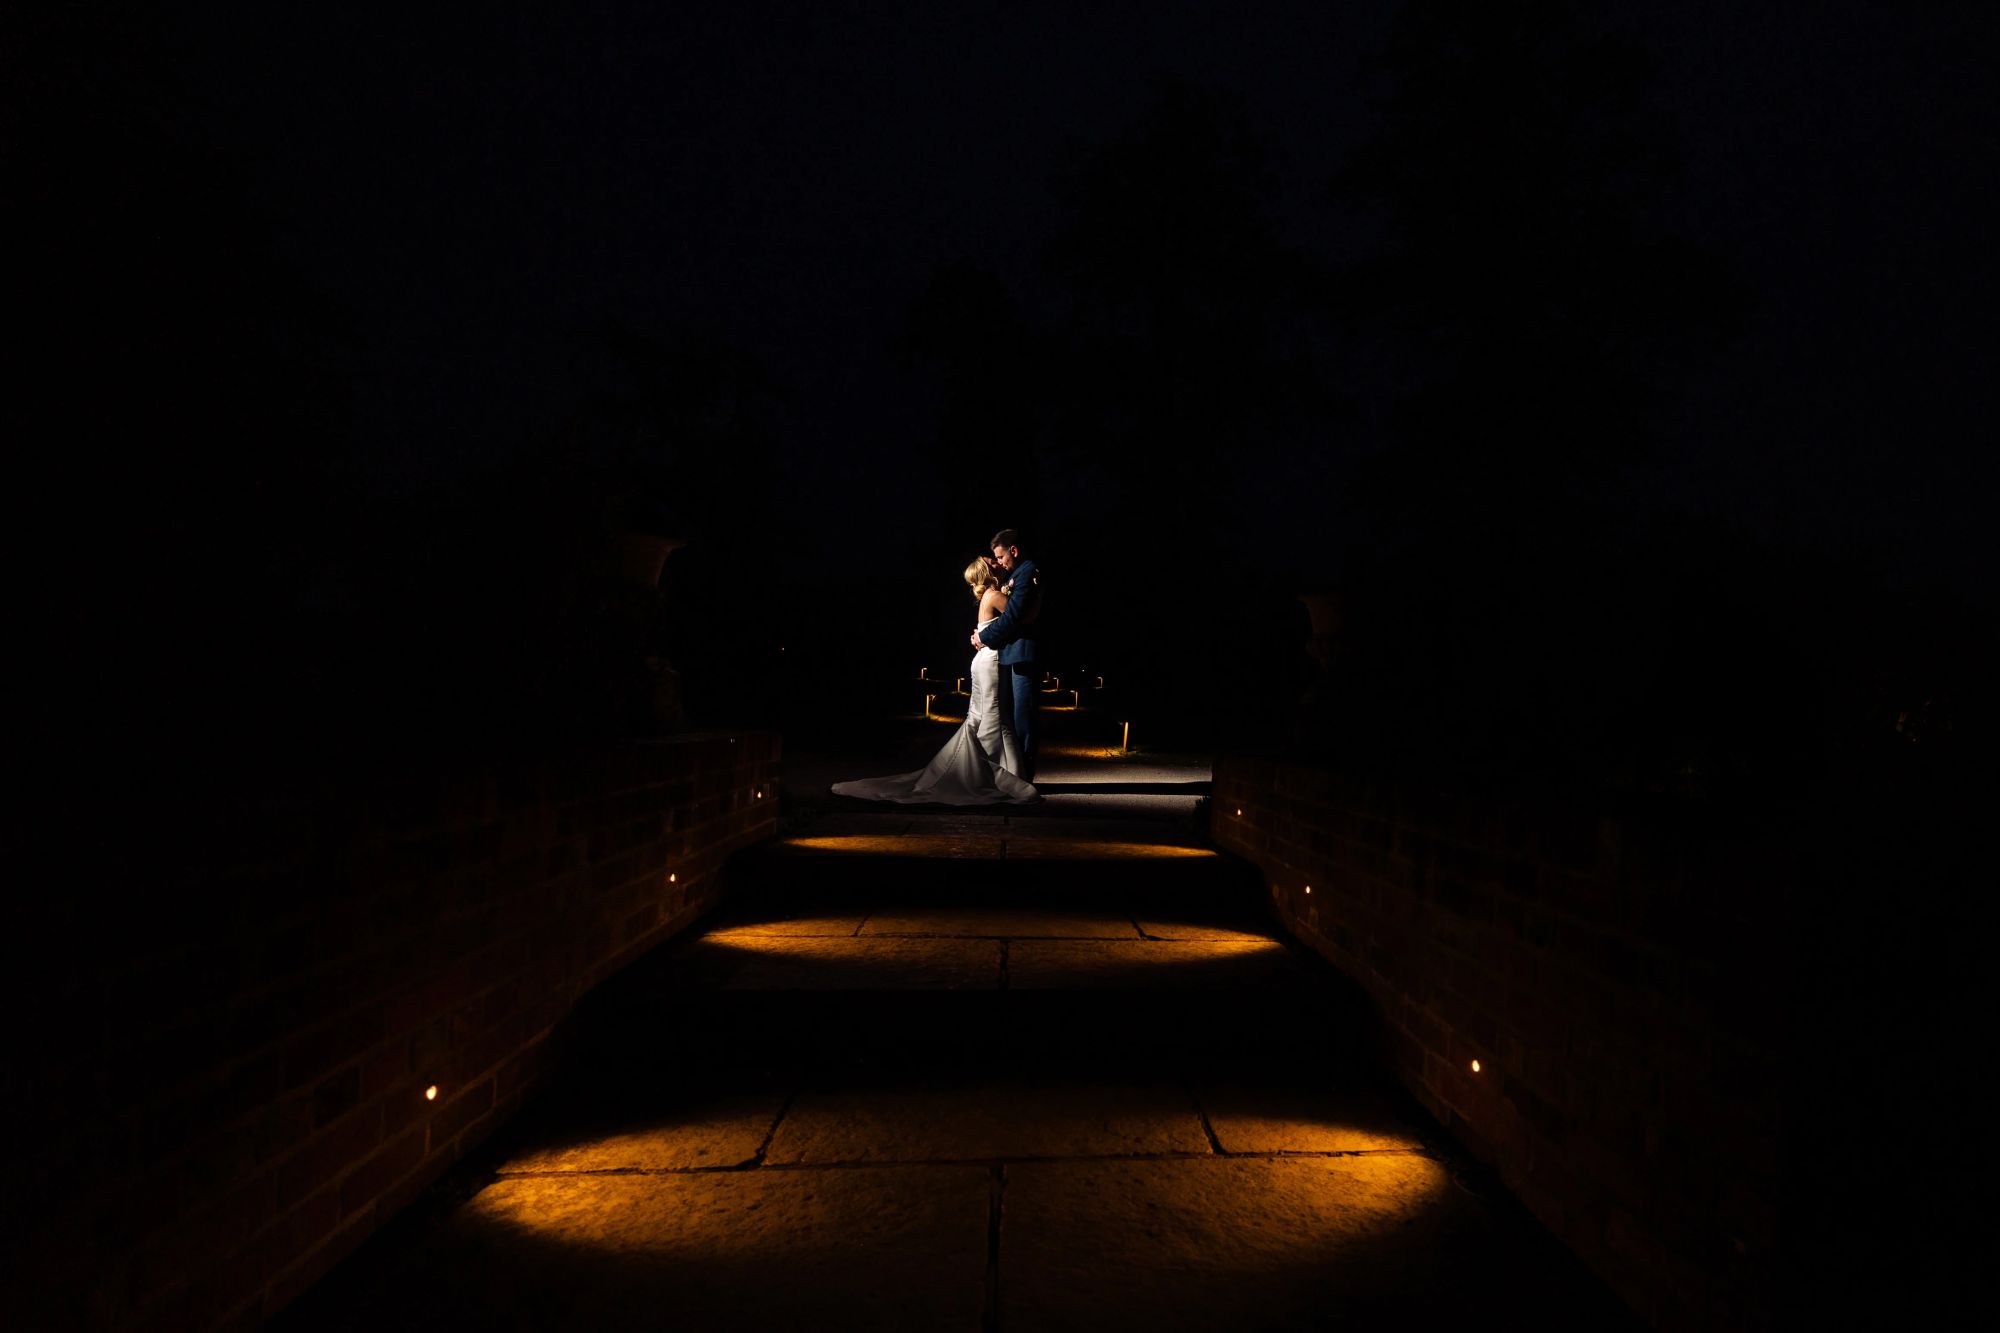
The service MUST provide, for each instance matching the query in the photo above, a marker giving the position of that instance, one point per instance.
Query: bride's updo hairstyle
(979, 575)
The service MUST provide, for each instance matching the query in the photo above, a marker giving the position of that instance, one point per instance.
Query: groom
(1012, 634)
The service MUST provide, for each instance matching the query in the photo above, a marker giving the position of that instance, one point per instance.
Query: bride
(980, 764)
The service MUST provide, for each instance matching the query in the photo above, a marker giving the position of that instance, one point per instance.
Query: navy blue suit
(1013, 634)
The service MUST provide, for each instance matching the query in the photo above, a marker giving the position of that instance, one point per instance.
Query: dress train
(979, 765)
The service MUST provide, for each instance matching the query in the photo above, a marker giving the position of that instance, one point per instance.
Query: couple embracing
(991, 759)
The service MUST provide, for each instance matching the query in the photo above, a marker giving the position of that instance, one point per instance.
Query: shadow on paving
(1059, 788)
(964, 1072)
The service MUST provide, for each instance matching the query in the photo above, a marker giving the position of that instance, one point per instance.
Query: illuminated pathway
(1040, 1070)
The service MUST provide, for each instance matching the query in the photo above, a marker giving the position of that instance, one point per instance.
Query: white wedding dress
(979, 765)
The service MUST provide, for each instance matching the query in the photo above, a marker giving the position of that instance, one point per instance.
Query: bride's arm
(990, 605)
(1015, 613)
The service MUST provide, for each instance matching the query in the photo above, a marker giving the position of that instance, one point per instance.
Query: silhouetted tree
(1175, 345)
(1535, 310)
(1536, 300)
(673, 436)
(1176, 295)
(966, 332)
(983, 369)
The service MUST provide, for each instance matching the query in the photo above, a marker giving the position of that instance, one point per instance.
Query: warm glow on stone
(431, 1093)
(1331, 1214)
(1083, 751)
(891, 845)
(1097, 849)
(823, 962)
(1475, 1066)
(978, 846)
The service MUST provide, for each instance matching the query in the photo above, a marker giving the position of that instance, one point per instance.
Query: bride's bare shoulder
(992, 604)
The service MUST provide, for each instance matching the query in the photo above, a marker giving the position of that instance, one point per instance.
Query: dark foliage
(1538, 307)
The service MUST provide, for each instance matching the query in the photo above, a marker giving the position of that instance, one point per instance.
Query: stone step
(971, 1071)
(668, 1021)
(970, 872)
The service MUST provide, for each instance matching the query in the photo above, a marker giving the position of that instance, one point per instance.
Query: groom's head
(1006, 548)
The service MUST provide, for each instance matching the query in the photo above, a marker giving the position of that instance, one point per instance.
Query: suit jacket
(1013, 631)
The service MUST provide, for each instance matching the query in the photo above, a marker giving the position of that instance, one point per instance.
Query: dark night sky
(475, 190)
(419, 248)
(786, 179)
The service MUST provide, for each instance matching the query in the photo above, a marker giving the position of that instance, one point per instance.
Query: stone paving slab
(1103, 849)
(747, 962)
(989, 824)
(865, 822)
(1197, 930)
(716, 1132)
(1083, 828)
(1136, 806)
(836, 924)
(1293, 1119)
(1205, 1244)
(1149, 964)
(935, 846)
(878, 1249)
(985, 1121)
(1002, 923)
(1093, 769)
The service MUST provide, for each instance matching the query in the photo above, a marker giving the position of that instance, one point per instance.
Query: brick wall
(229, 1071)
(1620, 981)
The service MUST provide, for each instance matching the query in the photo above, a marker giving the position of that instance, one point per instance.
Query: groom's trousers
(1017, 696)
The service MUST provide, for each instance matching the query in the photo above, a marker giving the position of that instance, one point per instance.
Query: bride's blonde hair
(979, 574)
